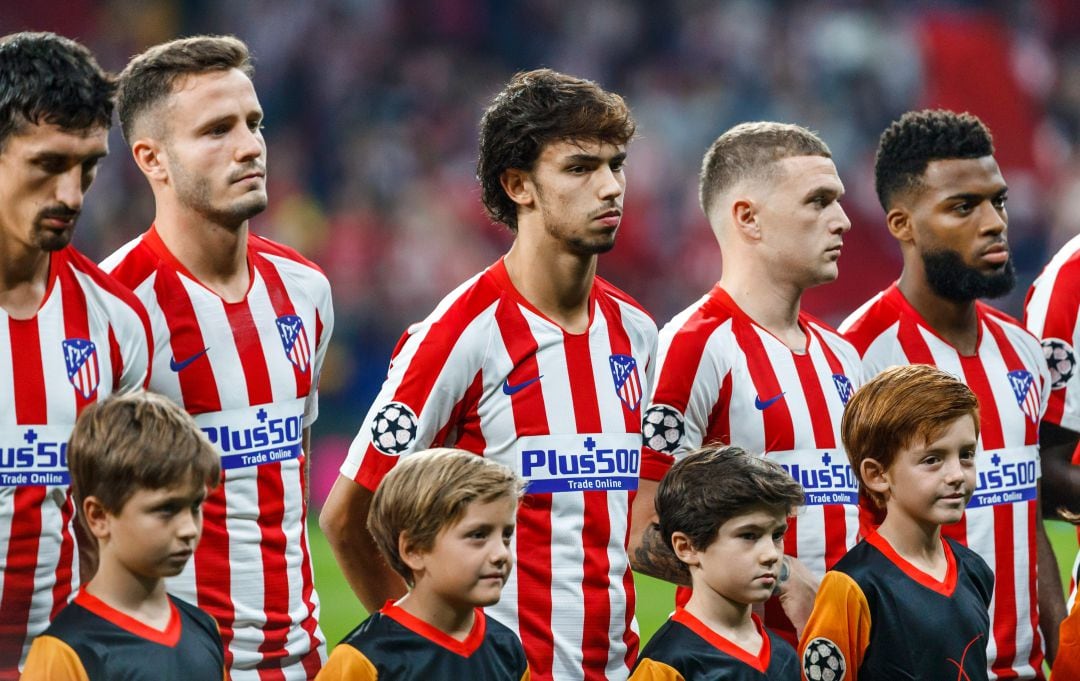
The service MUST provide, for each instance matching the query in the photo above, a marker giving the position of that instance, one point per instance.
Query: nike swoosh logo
(765, 404)
(511, 389)
(178, 366)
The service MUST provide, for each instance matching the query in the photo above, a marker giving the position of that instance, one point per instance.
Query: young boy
(724, 514)
(906, 602)
(140, 469)
(443, 520)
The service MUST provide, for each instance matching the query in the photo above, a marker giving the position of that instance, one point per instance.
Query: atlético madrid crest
(843, 387)
(1027, 395)
(81, 360)
(627, 383)
(294, 340)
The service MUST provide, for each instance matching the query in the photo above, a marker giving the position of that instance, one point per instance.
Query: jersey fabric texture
(1009, 376)
(1067, 663)
(723, 379)
(487, 372)
(685, 648)
(248, 372)
(877, 616)
(392, 644)
(1052, 313)
(90, 337)
(91, 641)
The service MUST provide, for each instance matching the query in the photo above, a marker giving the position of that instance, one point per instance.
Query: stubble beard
(950, 278)
(195, 193)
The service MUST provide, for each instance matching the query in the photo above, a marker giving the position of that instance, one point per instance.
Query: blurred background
(372, 107)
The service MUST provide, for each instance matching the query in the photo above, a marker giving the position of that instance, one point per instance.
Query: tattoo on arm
(656, 559)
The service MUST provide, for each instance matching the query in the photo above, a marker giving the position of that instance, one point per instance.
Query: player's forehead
(808, 172)
(951, 435)
(498, 511)
(186, 491)
(944, 178)
(762, 518)
(38, 139)
(206, 95)
(560, 150)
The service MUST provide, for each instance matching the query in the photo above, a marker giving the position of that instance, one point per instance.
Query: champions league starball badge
(394, 429)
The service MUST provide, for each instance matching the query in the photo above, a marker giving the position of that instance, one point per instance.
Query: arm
(1051, 599)
(798, 589)
(305, 445)
(50, 659)
(88, 551)
(1061, 479)
(344, 522)
(839, 624)
(347, 662)
(648, 554)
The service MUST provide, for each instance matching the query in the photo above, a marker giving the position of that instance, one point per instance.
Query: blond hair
(429, 491)
(133, 441)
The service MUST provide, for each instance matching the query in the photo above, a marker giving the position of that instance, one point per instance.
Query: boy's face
(471, 560)
(932, 482)
(156, 531)
(742, 564)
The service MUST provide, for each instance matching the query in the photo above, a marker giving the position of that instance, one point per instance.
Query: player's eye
(1000, 201)
(962, 208)
(778, 536)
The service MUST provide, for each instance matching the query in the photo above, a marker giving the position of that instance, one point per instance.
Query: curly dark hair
(919, 137)
(712, 485)
(535, 108)
(149, 77)
(47, 78)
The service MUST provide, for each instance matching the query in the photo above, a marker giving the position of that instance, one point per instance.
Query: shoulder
(606, 288)
(132, 263)
(96, 281)
(1017, 335)
(197, 615)
(869, 321)
(506, 642)
(263, 246)
(783, 656)
(970, 562)
(670, 642)
(860, 562)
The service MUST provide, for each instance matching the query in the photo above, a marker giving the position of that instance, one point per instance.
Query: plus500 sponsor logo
(38, 455)
(597, 462)
(1010, 475)
(835, 476)
(273, 432)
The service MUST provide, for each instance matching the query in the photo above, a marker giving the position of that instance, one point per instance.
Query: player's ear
(96, 517)
(518, 186)
(744, 216)
(898, 220)
(684, 548)
(874, 476)
(149, 156)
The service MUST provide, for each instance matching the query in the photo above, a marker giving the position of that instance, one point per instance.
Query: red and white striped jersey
(89, 338)
(1008, 374)
(489, 373)
(1052, 313)
(248, 372)
(723, 379)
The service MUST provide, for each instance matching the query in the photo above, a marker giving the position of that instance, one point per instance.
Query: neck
(772, 303)
(919, 543)
(557, 283)
(215, 254)
(729, 618)
(24, 277)
(956, 322)
(452, 619)
(143, 598)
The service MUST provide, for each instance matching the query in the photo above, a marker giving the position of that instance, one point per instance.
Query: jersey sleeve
(692, 383)
(1052, 313)
(130, 332)
(347, 663)
(324, 329)
(50, 659)
(651, 670)
(432, 379)
(838, 631)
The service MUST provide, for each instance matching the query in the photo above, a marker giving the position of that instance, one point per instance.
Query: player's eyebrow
(978, 196)
(593, 159)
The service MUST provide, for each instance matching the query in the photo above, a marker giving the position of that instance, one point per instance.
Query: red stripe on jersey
(676, 379)
(719, 428)
(989, 417)
(282, 304)
(1035, 659)
(197, 383)
(25, 533)
(271, 493)
(1004, 624)
(116, 359)
(777, 418)
(534, 515)
(620, 345)
(66, 565)
(466, 417)
(312, 662)
(1014, 363)
(597, 526)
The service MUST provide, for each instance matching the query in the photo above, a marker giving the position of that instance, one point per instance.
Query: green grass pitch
(655, 599)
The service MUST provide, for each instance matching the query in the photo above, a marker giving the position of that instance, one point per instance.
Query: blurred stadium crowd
(372, 109)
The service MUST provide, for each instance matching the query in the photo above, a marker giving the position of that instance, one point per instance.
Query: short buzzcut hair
(429, 491)
(137, 440)
(47, 78)
(151, 77)
(909, 144)
(749, 151)
(712, 485)
(900, 407)
(536, 108)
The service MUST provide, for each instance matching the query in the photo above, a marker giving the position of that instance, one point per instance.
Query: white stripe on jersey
(511, 379)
